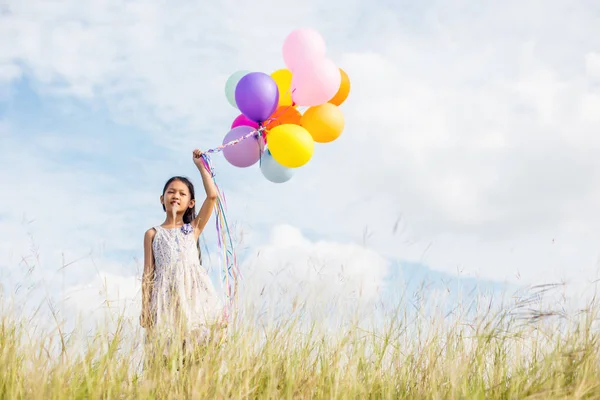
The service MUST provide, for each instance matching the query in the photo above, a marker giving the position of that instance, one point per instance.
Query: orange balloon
(324, 122)
(343, 91)
(284, 115)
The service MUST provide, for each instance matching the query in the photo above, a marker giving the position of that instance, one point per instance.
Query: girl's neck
(173, 220)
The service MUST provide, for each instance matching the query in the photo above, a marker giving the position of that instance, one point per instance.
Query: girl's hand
(211, 194)
(197, 154)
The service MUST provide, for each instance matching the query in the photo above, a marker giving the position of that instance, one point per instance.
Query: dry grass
(520, 351)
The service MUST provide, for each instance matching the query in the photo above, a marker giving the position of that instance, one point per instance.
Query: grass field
(519, 351)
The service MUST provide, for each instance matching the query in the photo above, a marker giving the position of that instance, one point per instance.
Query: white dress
(184, 301)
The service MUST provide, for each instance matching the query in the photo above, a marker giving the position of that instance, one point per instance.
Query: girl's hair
(190, 213)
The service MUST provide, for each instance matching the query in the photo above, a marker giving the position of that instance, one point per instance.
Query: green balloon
(231, 84)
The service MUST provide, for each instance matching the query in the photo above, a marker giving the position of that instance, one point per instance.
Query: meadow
(521, 349)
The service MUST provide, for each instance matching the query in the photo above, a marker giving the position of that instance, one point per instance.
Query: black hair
(190, 213)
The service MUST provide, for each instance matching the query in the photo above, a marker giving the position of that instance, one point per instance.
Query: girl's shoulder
(150, 233)
(149, 238)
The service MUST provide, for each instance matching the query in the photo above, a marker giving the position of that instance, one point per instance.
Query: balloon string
(230, 271)
(256, 132)
(261, 131)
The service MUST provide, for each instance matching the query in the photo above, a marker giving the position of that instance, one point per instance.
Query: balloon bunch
(272, 129)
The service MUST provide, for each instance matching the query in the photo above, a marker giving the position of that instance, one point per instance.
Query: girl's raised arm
(211, 195)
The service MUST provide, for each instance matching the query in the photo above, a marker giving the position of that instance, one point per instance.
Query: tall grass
(516, 351)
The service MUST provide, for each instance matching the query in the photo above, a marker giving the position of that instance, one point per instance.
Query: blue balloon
(274, 171)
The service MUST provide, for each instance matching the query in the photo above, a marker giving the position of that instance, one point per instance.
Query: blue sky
(472, 123)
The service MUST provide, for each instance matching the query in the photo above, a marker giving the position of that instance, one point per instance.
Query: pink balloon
(315, 82)
(302, 44)
(242, 120)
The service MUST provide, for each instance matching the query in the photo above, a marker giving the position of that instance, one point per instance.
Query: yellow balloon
(325, 122)
(283, 79)
(290, 145)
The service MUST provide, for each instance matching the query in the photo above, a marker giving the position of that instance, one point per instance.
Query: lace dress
(184, 304)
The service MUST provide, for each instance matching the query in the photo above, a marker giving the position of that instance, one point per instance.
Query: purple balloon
(257, 96)
(244, 153)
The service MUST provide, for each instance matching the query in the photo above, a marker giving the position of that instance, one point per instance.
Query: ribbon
(257, 132)
(230, 273)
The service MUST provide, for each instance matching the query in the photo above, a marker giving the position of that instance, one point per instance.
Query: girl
(178, 298)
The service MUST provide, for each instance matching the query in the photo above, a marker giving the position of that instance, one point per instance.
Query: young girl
(179, 302)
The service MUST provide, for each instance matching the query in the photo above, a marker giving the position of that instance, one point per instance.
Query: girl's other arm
(211, 195)
(147, 278)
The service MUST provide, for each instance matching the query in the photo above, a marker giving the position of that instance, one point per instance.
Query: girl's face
(177, 197)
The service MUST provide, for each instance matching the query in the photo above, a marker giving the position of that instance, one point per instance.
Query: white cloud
(592, 65)
(106, 296)
(474, 124)
(9, 72)
(291, 267)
